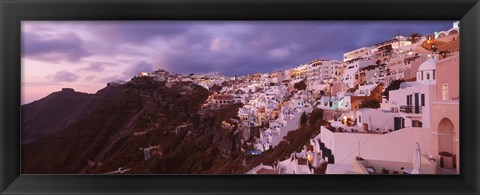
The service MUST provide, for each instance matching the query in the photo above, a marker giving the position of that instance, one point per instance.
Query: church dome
(429, 64)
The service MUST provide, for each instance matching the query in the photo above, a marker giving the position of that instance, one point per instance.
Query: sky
(85, 55)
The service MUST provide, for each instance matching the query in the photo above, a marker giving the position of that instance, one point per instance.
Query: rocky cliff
(166, 118)
(60, 109)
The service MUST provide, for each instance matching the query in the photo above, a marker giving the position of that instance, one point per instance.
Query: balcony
(411, 109)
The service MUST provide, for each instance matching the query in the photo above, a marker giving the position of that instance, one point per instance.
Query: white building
(395, 42)
(321, 72)
(299, 73)
(352, 68)
(363, 52)
(287, 121)
(344, 100)
(398, 146)
(365, 90)
(293, 166)
(375, 120)
(413, 99)
(368, 75)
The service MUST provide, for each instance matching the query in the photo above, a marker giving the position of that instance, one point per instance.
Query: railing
(411, 109)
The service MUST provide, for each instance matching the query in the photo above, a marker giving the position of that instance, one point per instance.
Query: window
(417, 102)
(423, 99)
(416, 123)
(445, 91)
(399, 123)
(410, 102)
(359, 119)
(433, 74)
(428, 76)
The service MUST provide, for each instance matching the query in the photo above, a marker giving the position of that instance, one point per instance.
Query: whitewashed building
(352, 68)
(413, 99)
(363, 52)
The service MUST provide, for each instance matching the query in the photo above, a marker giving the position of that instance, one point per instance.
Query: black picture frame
(12, 12)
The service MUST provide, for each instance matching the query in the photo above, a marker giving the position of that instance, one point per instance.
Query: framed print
(239, 97)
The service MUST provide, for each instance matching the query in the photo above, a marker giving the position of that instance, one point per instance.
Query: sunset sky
(87, 55)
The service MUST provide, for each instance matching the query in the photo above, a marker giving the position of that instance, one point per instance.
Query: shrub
(394, 85)
(300, 85)
(315, 116)
(303, 118)
(372, 103)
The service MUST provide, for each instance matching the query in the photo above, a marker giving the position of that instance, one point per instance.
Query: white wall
(290, 124)
(345, 103)
(361, 52)
(378, 119)
(398, 98)
(349, 74)
(395, 146)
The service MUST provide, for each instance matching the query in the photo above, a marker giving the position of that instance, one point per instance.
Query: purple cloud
(266, 46)
(65, 76)
(53, 48)
(138, 31)
(232, 47)
(94, 67)
(89, 78)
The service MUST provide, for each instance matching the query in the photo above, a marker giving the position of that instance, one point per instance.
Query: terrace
(379, 167)
(263, 169)
(349, 125)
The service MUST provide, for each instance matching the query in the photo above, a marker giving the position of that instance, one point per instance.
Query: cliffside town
(363, 114)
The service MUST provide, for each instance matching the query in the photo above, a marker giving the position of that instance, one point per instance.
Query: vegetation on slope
(106, 137)
(293, 142)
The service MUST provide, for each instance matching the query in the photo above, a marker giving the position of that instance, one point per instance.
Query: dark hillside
(146, 114)
(60, 109)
